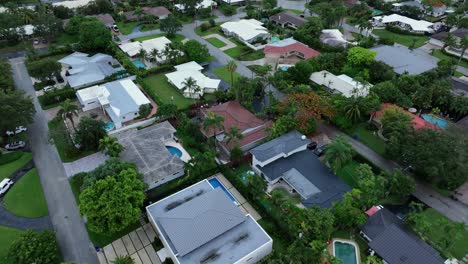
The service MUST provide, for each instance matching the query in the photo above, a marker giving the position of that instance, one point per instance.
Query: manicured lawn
(442, 56)
(216, 42)
(26, 197)
(225, 75)
(369, 139)
(149, 27)
(252, 55)
(234, 52)
(295, 11)
(177, 37)
(213, 30)
(7, 237)
(157, 86)
(347, 173)
(62, 142)
(65, 39)
(126, 28)
(7, 169)
(406, 40)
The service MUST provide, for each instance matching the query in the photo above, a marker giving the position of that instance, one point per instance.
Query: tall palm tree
(231, 67)
(450, 41)
(68, 110)
(463, 46)
(190, 86)
(338, 153)
(353, 108)
(213, 121)
(110, 146)
(234, 135)
(141, 54)
(154, 55)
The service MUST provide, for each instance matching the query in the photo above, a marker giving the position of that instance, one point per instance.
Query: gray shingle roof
(396, 247)
(288, 17)
(300, 183)
(283, 144)
(378, 222)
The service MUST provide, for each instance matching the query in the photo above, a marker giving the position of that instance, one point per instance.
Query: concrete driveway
(85, 164)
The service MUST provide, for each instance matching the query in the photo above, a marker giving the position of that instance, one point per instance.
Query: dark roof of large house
(329, 187)
(395, 246)
(460, 87)
(283, 144)
(461, 32)
(289, 17)
(378, 222)
(106, 19)
(440, 36)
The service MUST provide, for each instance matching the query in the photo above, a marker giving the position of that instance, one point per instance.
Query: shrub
(386, 41)
(204, 27)
(35, 247)
(57, 96)
(398, 30)
(228, 10)
(212, 22)
(10, 157)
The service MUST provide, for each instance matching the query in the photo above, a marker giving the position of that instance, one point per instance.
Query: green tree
(282, 125)
(44, 69)
(112, 166)
(6, 79)
(373, 260)
(94, 36)
(348, 212)
(17, 109)
(359, 57)
(213, 122)
(145, 110)
(234, 135)
(196, 51)
(236, 154)
(166, 111)
(35, 247)
(394, 119)
(371, 185)
(68, 110)
(141, 54)
(339, 153)
(463, 45)
(170, 25)
(110, 146)
(231, 67)
(89, 132)
(269, 4)
(400, 186)
(113, 203)
(191, 87)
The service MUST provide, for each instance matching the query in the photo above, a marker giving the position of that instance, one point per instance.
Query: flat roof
(416, 25)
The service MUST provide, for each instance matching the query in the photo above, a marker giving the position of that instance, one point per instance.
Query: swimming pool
(139, 64)
(434, 120)
(284, 67)
(345, 251)
(376, 11)
(217, 184)
(109, 126)
(174, 151)
(275, 39)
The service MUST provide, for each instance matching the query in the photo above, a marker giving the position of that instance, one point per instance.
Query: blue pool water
(284, 68)
(174, 151)
(139, 64)
(275, 39)
(376, 11)
(434, 120)
(109, 126)
(217, 184)
(346, 252)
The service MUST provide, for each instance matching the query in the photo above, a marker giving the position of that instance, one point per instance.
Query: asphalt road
(70, 230)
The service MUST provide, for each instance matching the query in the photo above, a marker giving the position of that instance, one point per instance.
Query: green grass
(65, 148)
(176, 38)
(26, 197)
(14, 48)
(7, 169)
(252, 55)
(7, 237)
(216, 42)
(347, 173)
(458, 74)
(442, 56)
(65, 39)
(369, 139)
(127, 27)
(157, 85)
(234, 52)
(148, 27)
(295, 199)
(295, 11)
(460, 248)
(213, 30)
(225, 75)
(406, 40)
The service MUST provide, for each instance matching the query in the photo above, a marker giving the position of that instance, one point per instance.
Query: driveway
(85, 164)
(70, 230)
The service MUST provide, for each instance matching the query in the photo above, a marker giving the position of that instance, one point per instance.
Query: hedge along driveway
(26, 197)
(7, 169)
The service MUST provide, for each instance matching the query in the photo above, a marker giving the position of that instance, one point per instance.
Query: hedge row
(398, 30)
(56, 96)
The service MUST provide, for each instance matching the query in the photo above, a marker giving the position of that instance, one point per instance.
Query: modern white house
(333, 37)
(133, 48)
(202, 224)
(121, 100)
(246, 30)
(81, 70)
(405, 23)
(342, 84)
(192, 70)
(201, 5)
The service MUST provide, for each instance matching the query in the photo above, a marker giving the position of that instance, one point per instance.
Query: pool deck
(356, 246)
(185, 156)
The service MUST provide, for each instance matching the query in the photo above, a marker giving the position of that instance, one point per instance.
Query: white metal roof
(193, 70)
(342, 83)
(245, 28)
(202, 4)
(416, 25)
(132, 48)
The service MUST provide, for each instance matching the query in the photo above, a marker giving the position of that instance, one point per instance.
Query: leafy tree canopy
(35, 247)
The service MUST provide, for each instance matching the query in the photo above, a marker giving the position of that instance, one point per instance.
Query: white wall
(257, 254)
(91, 104)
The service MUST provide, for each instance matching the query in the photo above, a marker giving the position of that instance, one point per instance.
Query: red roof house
(290, 47)
(235, 115)
(417, 121)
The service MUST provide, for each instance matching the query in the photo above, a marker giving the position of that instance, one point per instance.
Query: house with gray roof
(286, 160)
(201, 224)
(403, 60)
(288, 19)
(81, 70)
(390, 240)
(149, 149)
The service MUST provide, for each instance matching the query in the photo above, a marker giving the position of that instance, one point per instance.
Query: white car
(17, 130)
(15, 145)
(49, 88)
(5, 185)
(115, 28)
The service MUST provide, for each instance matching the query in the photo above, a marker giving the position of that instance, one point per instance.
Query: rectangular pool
(217, 184)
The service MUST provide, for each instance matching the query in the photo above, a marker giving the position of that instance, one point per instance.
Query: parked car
(17, 130)
(5, 185)
(36, 42)
(115, 28)
(320, 150)
(49, 88)
(15, 145)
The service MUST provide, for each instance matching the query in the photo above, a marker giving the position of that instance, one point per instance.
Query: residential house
(390, 240)
(439, 40)
(82, 70)
(288, 19)
(150, 149)
(289, 51)
(286, 160)
(460, 86)
(405, 61)
(246, 30)
(132, 49)
(342, 84)
(234, 2)
(192, 70)
(201, 5)
(201, 224)
(416, 121)
(159, 12)
(72, 4)
(405, 23)
(106, 19)
(252, 128)
(436, 10)
(334, 38)
(121, 100)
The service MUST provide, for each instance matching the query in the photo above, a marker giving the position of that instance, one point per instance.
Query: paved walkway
(452, 209)
(229, 44)
(85, 164)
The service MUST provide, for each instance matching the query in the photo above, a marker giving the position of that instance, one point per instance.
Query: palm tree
(68, 110)
(213, 121)
(191, 87)
(450, 41)
(231, 67)
(141, 54)
(463, 46)
(123, 260)
(234, 135)
(110, 146)
(154, 55)
(353, 108)
(338, 153)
